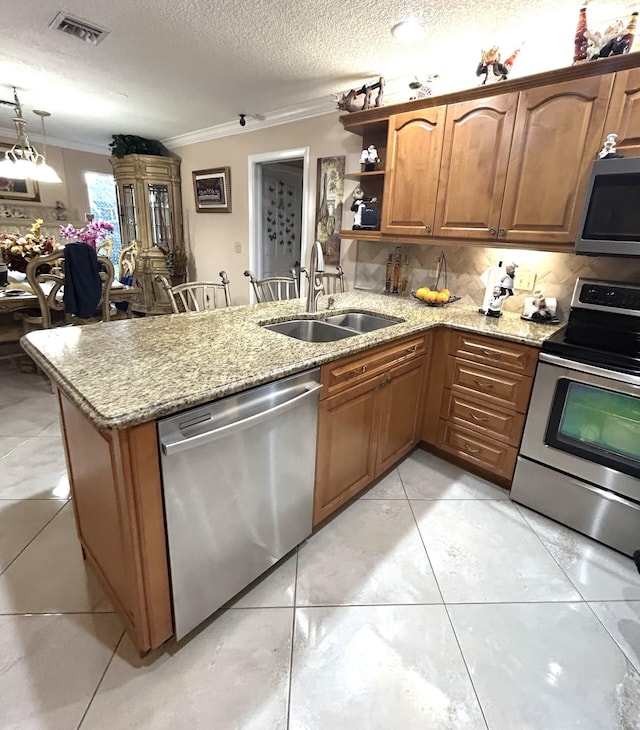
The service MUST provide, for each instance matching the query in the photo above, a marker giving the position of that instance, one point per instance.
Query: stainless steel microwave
(610, 222)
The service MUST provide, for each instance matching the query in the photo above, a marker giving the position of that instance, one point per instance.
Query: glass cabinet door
(127, 206)
(160, 215)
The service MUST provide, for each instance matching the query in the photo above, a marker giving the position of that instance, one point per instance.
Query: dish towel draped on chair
(82, 283)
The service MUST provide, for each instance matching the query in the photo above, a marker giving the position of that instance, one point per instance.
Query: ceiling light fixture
(408, 31)
(23, 161)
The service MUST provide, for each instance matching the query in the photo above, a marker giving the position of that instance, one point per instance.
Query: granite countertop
(131, 371)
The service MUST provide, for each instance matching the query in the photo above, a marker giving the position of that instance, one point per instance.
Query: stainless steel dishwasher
(238, 479)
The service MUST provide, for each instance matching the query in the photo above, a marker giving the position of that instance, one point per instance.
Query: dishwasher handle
(177, 443)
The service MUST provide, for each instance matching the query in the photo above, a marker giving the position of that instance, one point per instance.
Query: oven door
(585, 421)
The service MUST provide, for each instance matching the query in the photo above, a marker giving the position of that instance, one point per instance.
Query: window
(103, 204)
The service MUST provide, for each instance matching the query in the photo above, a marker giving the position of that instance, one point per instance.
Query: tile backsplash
(556, 273)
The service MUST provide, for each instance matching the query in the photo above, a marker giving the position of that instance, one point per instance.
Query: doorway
(278, 211)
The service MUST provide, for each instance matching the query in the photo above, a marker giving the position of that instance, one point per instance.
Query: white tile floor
(431, 602)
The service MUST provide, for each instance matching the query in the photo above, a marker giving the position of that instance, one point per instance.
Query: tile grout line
(444, 604)
(615, 641)
(544, 545)
(293, 636)
(48, 522)
(102, 676)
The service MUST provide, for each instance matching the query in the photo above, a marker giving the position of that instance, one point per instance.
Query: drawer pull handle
(478, 419)
(360, 370)
(491, 353)
(482, 384)
(470, 449)
(411, 349)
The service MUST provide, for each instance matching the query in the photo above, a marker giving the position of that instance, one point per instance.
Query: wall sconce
(23, 161)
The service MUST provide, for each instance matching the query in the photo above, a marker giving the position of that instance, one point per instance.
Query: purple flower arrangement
(93, 233)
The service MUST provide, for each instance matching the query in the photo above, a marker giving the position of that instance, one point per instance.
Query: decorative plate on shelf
(435, 304)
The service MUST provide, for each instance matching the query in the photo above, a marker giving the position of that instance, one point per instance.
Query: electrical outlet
(524, 280)
(237, 247)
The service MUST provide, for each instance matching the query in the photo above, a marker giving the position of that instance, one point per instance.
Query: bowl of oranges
(433, 297)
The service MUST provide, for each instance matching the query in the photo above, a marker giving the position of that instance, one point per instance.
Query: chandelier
(23, 161)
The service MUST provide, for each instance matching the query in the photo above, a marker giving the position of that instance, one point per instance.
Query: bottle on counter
(389, 275)
(404, 275)
(397, 266)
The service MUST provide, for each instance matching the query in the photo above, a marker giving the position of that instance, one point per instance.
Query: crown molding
(10, 134)
(313, 108)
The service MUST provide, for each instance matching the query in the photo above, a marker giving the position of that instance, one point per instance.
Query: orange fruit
(432, 296)
(443, 296)
(447, 292)
(422, 293)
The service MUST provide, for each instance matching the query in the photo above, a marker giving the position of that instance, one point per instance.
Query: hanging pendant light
(23, 161)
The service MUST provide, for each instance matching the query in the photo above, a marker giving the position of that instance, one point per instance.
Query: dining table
(19, 295)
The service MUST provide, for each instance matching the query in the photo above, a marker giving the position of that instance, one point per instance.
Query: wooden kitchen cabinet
(475, 156)
(414, 150)
(502, 161)
(557, 134)
(117, 501)
(369, 418)
(623, 115)
(478, 394)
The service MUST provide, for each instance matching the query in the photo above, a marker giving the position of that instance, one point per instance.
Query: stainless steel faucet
(316, 269)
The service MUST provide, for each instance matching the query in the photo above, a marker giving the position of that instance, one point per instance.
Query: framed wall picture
(17, 189)
(212, 189)
(329, 197)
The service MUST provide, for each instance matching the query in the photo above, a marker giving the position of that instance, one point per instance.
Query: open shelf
(360, 175)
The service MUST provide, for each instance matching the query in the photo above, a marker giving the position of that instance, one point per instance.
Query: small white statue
(369, 158)
(609, 148)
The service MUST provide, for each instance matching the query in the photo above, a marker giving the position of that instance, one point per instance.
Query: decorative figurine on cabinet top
(348, 101)
(366, 217)
(423, 89)
(369, 158)
(491, 68)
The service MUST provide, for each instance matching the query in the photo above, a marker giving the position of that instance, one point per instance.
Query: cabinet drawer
(494, 456)
(495, 353)
(497, 387)
(463, 411)
(357, 368)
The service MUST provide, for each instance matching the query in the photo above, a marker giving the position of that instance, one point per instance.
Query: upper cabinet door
(557, 135)
(414, 150)
(477, 140)
(623, 117)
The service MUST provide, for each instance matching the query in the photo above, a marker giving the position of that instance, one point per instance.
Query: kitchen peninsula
(116, 379)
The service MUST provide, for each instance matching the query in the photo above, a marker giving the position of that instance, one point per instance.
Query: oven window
(598, 424)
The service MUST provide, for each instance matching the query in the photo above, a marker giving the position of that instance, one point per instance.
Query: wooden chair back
(332, 281)
(274, 288)
(127, 260)
(197, 296)
(51, 268)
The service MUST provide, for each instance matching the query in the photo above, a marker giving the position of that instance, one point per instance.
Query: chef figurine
(494, 308)
(508, 280)
(360, 202)
(369, 158)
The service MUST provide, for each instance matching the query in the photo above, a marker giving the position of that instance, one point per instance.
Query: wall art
(212, 189)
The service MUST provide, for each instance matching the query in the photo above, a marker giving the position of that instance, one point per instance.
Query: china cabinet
(150, 211)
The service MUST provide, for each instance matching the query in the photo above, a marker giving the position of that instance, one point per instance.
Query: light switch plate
(524, 280)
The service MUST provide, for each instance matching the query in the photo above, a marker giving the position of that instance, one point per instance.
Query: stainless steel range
(579, 462)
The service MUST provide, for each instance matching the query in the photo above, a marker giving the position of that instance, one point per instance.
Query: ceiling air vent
(81, 29)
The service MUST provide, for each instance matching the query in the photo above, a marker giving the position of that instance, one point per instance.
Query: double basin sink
(333, 327)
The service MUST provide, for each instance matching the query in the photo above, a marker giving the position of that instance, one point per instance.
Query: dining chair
(46, 277)
(332, 281)
(127, 262)
(274, 288)
(197, 296)
(105, 248)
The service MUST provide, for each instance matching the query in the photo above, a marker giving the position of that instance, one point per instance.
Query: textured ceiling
(171, 67)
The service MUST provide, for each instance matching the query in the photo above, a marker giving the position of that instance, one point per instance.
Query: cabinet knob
(502, 232)
(427, 229)
(492, 231)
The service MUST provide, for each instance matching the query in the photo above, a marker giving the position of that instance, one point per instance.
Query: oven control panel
(606, 296)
